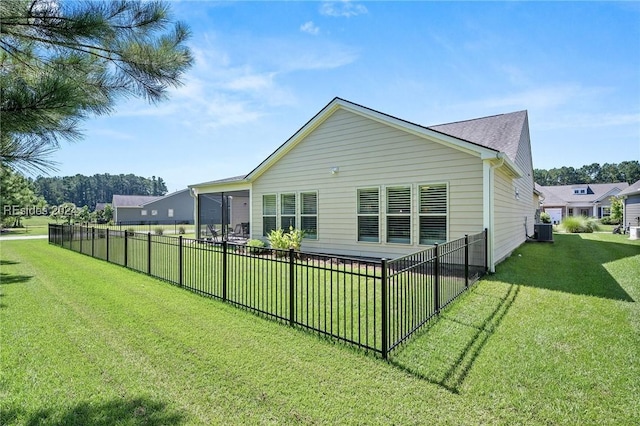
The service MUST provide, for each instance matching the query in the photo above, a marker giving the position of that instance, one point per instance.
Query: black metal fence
(373, 304)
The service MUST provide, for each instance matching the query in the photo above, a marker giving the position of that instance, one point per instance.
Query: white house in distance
(363, 183)
(591, 200)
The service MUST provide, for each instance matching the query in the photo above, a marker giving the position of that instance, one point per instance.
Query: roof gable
(484, 137)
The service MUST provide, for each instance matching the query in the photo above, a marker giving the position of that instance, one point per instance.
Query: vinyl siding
(631, 210)
(370, 154)
(514, 217)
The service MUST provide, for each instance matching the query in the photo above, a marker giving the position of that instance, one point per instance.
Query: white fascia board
(205, 188)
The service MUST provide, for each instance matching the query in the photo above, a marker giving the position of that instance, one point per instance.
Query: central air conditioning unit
(543, 231)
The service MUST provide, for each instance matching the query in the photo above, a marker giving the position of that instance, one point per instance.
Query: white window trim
(414, 214)
(316, 215)
(379, 214)
(410, 215)
(143, 212)
(275, 215)
(447, 214)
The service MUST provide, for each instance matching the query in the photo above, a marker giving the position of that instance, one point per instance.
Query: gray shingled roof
(500, 132)
(562, 194)
(633, 189)
(132, 200)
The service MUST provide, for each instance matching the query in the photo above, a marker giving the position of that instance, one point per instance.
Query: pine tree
(63, 61)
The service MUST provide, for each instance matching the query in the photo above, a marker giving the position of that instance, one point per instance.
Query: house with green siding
(360, 182)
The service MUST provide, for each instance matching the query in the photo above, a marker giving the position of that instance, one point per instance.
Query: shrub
(130, 232)
(579, 224)
(278, 239)
(158, 231)
(545, 217)
(256, 246)
(608, 220)
(286, 240)
(182, 230)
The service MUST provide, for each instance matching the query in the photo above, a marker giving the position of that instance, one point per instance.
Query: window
(154, 212)
(268, 214)
(143, 212)
(570, 212)
(369, 215)
(170, 213)
(433, 214)
(399, 215)
(606, 211)
(287, 211)
(309, 214)
(579, 191)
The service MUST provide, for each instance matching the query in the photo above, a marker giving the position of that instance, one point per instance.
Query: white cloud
(344, 8)
(236, 81)
(309, 28)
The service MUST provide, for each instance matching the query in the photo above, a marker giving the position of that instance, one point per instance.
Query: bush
(286, 240)
(130, 232)
(278, 239)
(256, 246)
(158, 231)
(182, 230)
(545, 217)
(608, 220)
(579, 224)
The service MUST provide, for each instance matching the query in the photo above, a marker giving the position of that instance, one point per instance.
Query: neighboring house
(591, 200)
(171, 208)
(631, 204)
(363, 183)
(100, 207)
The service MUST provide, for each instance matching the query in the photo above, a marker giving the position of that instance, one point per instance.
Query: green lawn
(551, 338)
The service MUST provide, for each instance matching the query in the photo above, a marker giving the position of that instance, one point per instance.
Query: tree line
(89, 190)
(67, 197)
(626, 171)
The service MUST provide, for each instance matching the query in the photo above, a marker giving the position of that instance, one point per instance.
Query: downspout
(489, 219)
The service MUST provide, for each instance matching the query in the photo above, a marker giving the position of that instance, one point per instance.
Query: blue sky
(263, 69)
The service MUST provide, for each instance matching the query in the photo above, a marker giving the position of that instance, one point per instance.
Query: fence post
(126, 250)
(180, 259)
(73, 232)
(224, 270)
(436, 280)
(93, 241)
(292, 299)
(107, 242)
(384, 317)
(149, 253)
(466, 261)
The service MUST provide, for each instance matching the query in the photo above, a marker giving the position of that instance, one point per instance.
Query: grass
(551, 338)
(39, 225)
(35, 225)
